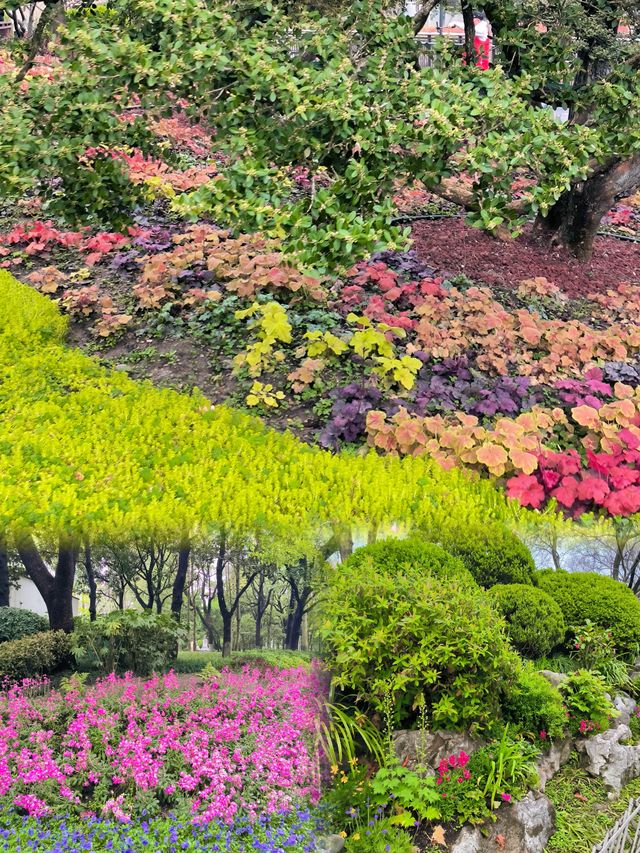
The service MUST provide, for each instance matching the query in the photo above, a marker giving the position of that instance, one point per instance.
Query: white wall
(26, 596)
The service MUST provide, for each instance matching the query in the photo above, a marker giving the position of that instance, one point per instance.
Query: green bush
(584, 596)
(391, 555)
(127, 640)
(535, 623)
(533, 706)
(408, 638)
(588, 708)
(189, 662)
(16, 623)
(37, 654)
(492, 554)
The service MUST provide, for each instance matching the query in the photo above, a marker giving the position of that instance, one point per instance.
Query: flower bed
(240, 745)
(273, 834)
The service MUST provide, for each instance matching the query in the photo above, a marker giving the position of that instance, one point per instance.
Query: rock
(552, 760)
(429, 748)
(330, 844)
(468, 841)
(123, 368)
(625, 706)
(615, 763)
(554, 678)
(525, 827)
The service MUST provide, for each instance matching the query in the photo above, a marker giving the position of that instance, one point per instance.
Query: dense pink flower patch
(243, 744)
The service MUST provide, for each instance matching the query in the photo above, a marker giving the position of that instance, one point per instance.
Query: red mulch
(453, 247)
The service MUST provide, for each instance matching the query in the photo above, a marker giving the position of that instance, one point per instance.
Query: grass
(196, 661)
(583, 812)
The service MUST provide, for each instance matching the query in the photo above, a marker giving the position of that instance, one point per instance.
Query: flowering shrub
(270, 834)
(239, 745)
(589, 710)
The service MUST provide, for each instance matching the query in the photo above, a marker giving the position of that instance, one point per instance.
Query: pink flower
(506, 797)
(543, 735)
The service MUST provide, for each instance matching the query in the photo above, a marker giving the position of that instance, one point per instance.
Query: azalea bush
(237, 745)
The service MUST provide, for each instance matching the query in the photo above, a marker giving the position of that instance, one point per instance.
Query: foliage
(510, 769)
(592, 645)
(533, 706)
(154, 462)
(414, 796)
(492, 554)
(194, 662)
(589, 711)
(123, 748)
(392, 556)
(603, 601)
(378, 836)
(135, 641)
(471, 788)
(35, 654)
(293, 832)
(343, 732)
(338, 95)
(16, 623)
(535, 623)
(416, 639)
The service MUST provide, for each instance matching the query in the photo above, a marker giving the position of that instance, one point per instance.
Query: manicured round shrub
(398, 640)
(492, 554)
(37, 654)
(392, 555)
(604, 601)
(16, 623)
(535, 623)
(533, 706)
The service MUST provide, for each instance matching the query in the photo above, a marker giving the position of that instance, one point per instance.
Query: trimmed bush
(533, 706)
(16, 623)
(606, 602)
(392, 555)
(188, 662)
(407, 638)
(37, 654)
(535, 623)
(492, 554)
(137, 641)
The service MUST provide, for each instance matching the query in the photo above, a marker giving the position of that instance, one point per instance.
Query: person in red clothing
(482, 40)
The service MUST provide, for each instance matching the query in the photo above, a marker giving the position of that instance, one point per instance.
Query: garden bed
(453, 248)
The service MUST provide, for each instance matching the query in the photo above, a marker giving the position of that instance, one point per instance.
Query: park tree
(582, 59)
(340, 95)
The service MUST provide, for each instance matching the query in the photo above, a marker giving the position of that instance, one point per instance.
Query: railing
(624, 837)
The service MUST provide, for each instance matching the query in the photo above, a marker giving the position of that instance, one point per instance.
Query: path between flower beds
(452, 246)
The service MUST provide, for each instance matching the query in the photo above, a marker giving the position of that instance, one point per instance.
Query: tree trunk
(469, 32)
(225, 613)
(575, 218)
(177, 593)
(260, 610)
(4, 576)
(55, 589)
(91, 580)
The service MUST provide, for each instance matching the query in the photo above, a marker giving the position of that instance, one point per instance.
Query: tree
(5, 585)
(573, 49)
(55, 585)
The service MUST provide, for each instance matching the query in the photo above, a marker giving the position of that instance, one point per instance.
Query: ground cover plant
(233, 745)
